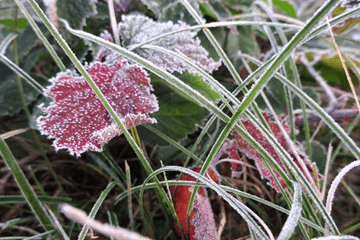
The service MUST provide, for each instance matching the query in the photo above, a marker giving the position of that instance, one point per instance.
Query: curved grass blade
(122, 196)
(237, 205)
(95, 208)
(294, 215)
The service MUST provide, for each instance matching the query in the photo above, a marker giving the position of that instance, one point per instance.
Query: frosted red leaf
(232, 147)
(78, 121)
(202, 223)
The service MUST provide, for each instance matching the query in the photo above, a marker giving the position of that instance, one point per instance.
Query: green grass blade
(25, 186)
(41, 36)
(96, 208)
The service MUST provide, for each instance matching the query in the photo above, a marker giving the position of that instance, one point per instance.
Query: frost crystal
(77, 119)
(232, 147)
(136, 29)
(202, 223)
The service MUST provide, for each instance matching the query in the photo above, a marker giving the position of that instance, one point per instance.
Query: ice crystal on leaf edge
(76, 118)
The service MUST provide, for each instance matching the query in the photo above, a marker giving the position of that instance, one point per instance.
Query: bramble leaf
(202, 223)
(136, 29)
(232, 147)
(77, 119)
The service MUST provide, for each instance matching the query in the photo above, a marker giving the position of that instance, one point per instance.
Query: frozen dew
(137, 29)
(76, 118)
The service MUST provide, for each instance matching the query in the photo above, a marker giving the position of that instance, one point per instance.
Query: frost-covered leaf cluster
(136, 29)
(231, 148)
(77, 119)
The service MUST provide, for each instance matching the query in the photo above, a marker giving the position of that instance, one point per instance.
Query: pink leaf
(77, 119)
(240, 144)
(202, 223)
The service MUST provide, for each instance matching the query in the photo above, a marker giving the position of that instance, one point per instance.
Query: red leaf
(202, 223)
(232, 147)
(77, 119)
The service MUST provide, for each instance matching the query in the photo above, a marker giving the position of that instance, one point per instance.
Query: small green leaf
(286, 6)
(21, 23)
(10, 101)
(242, 39)
(318, 155)
(76, 11)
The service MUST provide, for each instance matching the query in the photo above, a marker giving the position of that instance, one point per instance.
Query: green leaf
(286, 6)
(318, 155)
(9, 96)
(198, 84)
(274, 91)
(28, 38)
(166, 10)
(310, 92)
(21, 23)
(176, 118)
(242, 39)
(76, 11)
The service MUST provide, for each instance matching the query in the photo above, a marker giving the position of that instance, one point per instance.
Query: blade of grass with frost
(290, 61)
(294, 215)
(147, 186)
(335, 127)
(346, 237)
(3, 45)
(338, 19)
(57, 224)
(40, 236)
(12, 199)
(94, 87)
(22, 74)
(340, 145)
(172, 142)
(336, 182)
(212, 25)
(6, 41)
(234, 203)
(113, 221)
(225, 59)
(25, 187)
(41, 36)
(96, 208)
(295, 169)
